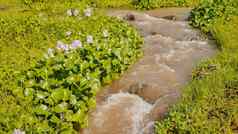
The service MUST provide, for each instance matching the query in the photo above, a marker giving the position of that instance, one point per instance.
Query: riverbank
(209, 102)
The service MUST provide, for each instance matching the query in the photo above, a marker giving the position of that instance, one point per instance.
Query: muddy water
(174, 13)
(145, 93)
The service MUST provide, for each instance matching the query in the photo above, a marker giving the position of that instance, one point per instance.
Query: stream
(145, 92)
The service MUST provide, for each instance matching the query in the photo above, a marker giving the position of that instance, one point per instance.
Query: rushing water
(144, 94)
(127, 111)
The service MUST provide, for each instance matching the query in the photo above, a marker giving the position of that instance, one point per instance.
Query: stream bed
(145, 92)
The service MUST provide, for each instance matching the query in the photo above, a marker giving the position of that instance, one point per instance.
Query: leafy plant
(209, 102)
(45, 89)
(204, 15)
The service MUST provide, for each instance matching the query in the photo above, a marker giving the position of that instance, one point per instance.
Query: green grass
(114, 3)
(209, 103)
(145, 4)
(151, 4)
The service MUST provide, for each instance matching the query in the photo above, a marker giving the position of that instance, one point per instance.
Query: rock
(130, 17)
(162, 105)
(149, 128)
(2, 7)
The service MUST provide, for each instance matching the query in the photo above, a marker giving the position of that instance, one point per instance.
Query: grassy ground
(209, 104)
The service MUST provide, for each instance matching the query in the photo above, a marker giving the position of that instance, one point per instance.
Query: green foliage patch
(150, 4)
(209, 102)
(204, 15)
(53, 63)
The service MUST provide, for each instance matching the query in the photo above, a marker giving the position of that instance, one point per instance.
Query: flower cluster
(72, 12)
(88, 12)
(66, 48)
(61, 46)
(75, 12)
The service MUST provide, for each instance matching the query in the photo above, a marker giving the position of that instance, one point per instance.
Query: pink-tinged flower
(69, 12)
(88, 12)
(59, 45)
(105, 33)
(18, 131)
(76, 44)
(68, 33)
(90, 39)
(50, 52)
(66, 48)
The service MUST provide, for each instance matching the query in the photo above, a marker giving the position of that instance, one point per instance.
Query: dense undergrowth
(151, 4)
(209, 103)
(54, 57)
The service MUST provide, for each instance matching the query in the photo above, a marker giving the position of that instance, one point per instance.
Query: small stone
(130, 17)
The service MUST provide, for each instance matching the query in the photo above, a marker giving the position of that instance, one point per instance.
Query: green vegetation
(204, 15)
(131, 4)
(209, 102)
(113, 3)
(150, 4)
(46, 85)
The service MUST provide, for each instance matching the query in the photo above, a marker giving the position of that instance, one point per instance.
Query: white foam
(138, 110)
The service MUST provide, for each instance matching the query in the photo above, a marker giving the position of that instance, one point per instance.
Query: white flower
(18, 131)
(88, 12)
(75, 12)
(105, 33)
(50, 52)
(44, 107)
(98, 49)
(89, 39)
(76, 44)
(68, 33)
(69, 12)
(62, 116)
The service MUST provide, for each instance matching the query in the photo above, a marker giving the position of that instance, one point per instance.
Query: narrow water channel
(131, 104)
